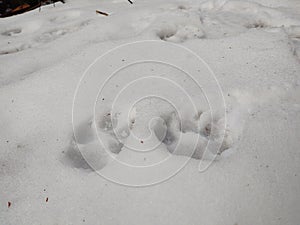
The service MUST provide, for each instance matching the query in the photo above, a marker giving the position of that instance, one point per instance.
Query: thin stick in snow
(102, 13)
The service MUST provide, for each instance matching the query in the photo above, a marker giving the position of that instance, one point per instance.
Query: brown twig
(102, 13)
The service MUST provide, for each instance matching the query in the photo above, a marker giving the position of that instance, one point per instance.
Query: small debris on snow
(102, 13)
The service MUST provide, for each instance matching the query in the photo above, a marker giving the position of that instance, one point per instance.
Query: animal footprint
(12, 32)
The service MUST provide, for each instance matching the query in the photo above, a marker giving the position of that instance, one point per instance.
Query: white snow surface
(253, 48)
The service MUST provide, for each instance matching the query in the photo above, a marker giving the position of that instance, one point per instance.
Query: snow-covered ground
(243, 115)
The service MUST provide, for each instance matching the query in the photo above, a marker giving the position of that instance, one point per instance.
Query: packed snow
(162, 112)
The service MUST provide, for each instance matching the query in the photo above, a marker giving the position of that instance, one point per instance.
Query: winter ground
(253, 48)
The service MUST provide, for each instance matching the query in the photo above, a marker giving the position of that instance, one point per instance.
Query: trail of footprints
(214, 20)
(175, 134)
(209, 20)
(41, 32)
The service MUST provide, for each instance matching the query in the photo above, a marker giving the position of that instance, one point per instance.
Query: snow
(222, 152)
